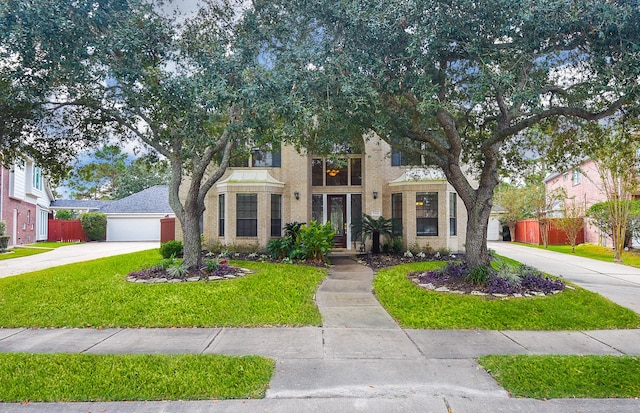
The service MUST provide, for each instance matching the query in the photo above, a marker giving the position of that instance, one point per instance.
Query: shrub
(65, 214)
(540, 283)
(479, 275)
(171, 249)
(94, 225)
(3, 227)
(316, 240)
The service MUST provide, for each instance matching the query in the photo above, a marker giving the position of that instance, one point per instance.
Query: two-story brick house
(257, 196)
(584, 185)
(25, 197)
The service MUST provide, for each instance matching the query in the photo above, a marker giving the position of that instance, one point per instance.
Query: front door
(338, 219)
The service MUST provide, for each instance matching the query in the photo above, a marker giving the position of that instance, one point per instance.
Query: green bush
(4, 242)
(3, 227)
(65, 214)
(94, 225)
(479, 275)
(171, 249)
(316, 240)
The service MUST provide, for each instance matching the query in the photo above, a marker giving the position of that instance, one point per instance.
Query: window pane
(276, 215)
(317, 172)
(266, 158)
(337, 173)
(427, 213)
(453, 214)
(317, 213)
(221, 215)
(399, 158)
(396, 214)
(246, 215)
(356, 212)
(356, 171)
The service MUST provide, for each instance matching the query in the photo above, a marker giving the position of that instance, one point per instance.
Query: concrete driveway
(70, 254)
(619, 283)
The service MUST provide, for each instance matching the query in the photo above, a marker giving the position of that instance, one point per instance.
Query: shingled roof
(154, 200)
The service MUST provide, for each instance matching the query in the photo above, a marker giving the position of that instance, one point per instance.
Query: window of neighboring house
(42, 224)
(453, 213)
(247, 215)
(221, 215)
(427, 213)
(317, 208)
(37, 178)
(576, 177)
(276, 215)
(399, 158)
(396, 214)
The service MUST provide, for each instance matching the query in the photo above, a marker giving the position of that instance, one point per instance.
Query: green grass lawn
(596, 252)
(545, 377)
(414, 307)
(33, 249)
(95, 294)
(83, 377)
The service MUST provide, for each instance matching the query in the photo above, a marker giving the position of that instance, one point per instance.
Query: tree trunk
(375, 237)
(512, 232)
(191, 238)
(477, 224)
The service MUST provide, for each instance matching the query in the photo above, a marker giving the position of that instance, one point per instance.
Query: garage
(137, 217)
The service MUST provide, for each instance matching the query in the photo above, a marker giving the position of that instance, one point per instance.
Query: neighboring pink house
(582, 184)
(25, 197)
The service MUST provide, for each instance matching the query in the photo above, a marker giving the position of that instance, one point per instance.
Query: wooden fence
(62, 230)
(528, 231)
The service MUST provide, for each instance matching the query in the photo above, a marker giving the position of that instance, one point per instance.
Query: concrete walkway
(359, 360)
(70, 254)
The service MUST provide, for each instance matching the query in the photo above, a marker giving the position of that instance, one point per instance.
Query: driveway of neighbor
(619, 283)
(70, 254)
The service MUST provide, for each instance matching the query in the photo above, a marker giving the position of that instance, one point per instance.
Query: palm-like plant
(374, 228)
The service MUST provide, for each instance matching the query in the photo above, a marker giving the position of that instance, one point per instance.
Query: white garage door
(493, 231)
(133, 229)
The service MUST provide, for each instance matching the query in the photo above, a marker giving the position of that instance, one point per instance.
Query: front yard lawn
(95, 294)
(84, 377)
(414, 307)
(547, 377)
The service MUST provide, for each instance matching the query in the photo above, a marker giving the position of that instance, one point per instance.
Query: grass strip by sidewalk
(84, 377)
(95, 294)
(414, 307)
(548, 377)
(596, 252)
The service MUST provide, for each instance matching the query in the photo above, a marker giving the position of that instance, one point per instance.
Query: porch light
(375, 194)
(296, 194)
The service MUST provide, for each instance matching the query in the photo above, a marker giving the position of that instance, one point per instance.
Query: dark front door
(338, 219)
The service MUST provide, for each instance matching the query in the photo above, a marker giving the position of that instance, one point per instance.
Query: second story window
(340, 172)
(575, 179)
(37, 178)
(258, 158)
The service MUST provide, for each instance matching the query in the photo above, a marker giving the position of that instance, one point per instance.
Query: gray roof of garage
(154, 200)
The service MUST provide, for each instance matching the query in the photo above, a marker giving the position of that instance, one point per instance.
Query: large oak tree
(457, 81)
(189, 87)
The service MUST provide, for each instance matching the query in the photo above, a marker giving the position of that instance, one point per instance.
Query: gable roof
(154, 200)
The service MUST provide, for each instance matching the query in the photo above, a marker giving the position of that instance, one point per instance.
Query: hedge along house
(257, 196)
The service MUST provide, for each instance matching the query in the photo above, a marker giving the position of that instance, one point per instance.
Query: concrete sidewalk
(70, 254)
(359, 360)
